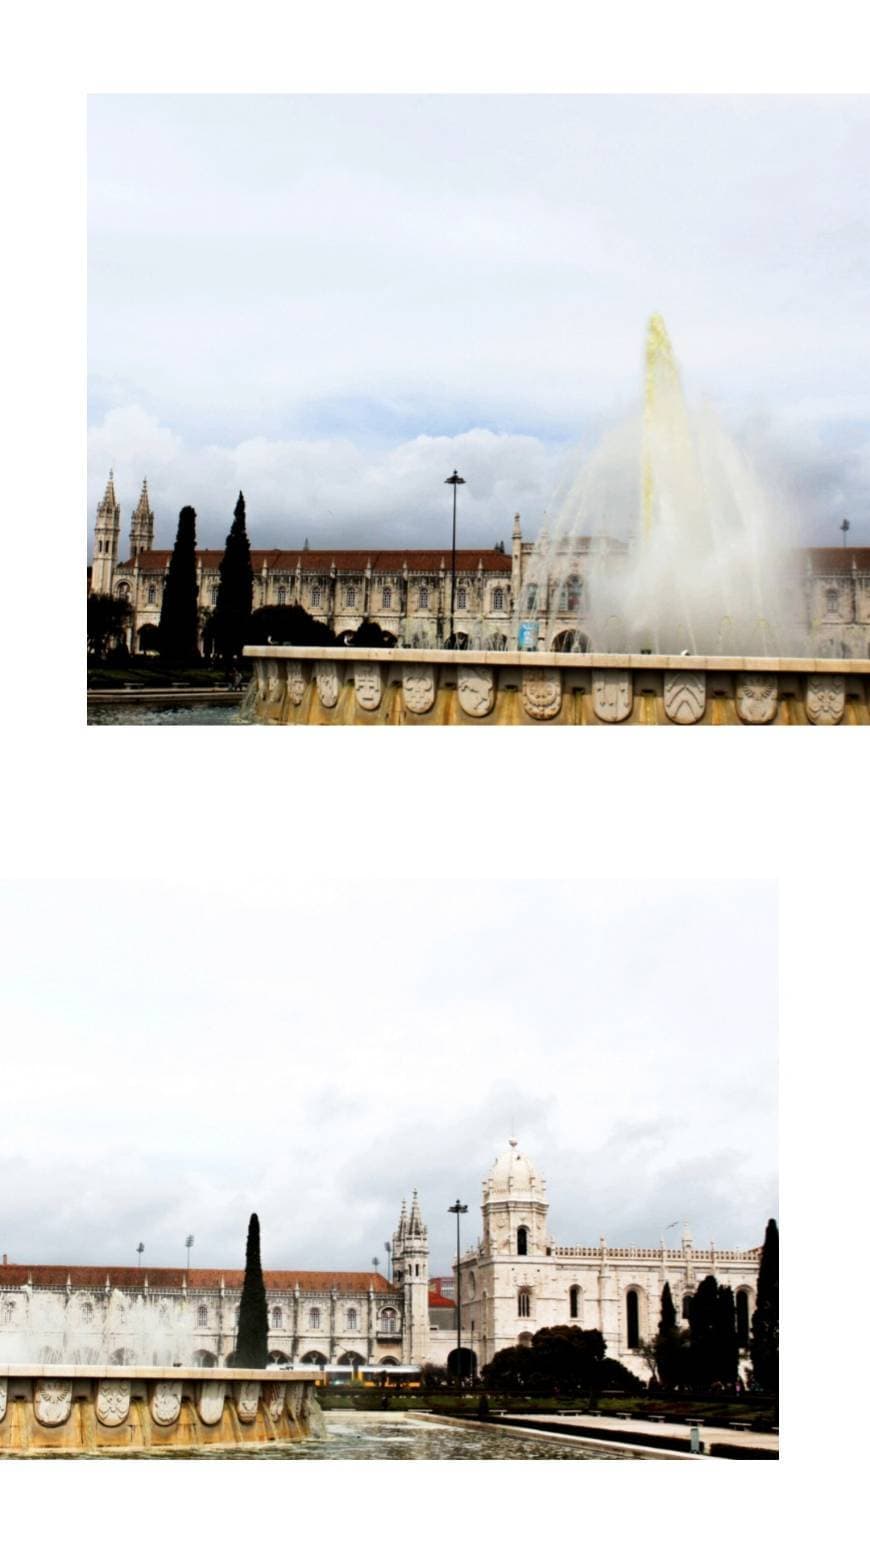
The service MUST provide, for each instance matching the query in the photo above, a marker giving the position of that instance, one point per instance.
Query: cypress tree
(704, 1328)
(726, 1349)
(764, 1343)
(235, 596)
(670, 1343)
(178, 614)
(252, 1343)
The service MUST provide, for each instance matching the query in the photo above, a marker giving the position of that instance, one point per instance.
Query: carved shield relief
(418, 687)
(612, 695)
(247, 1394)
(367, 679)
(52, 1401)
(327, 683)
(542, 693)
(113, 1402)
(3, 1393)
(166, 1402)
(295, 682)
(757, 697)
(826, 699)
(476, 688)
(273, 1395)
(211, 1401)
(685, 696)
(275, 682)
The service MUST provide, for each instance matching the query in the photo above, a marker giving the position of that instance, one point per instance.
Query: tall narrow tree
(764, 1344)
(178, 614)
(669, 1344)
(252, 1343)
(235, 596)
(727, 1351)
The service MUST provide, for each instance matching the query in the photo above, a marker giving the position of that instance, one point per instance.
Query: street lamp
(458, 1208)
(455, 480)
(188, 1242)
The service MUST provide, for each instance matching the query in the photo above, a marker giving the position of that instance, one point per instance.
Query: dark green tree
(252, 1343)
(728, 1351)
(108, 616)
(670, 1344)
(764, 1342)
(178, 614)
(287, 625)
(371, 635)
(235, 597)
(704, 1333)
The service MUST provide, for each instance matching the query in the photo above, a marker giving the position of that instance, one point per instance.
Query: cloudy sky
(178, 1056)
(331, 301)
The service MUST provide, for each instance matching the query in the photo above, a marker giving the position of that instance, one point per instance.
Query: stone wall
(316, 686)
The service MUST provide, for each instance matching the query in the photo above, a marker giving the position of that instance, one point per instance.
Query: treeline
(186, 633)
(560, 1360)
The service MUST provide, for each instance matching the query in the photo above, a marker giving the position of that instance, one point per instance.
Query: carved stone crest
(685, 696)
(113, 1402)
(295, 682)
(274, 681)
(327, 683)
(826, 699)
(294, 1401)
(262, 669)
(757, 697)
(3, 1391)
(418, 686)
(52, 1401)
(166, 1402)
(476, 688)
(273, 1395)
(542, 694)
(612, 695)
(211, 1401)
(369, 686)
(247, 1394)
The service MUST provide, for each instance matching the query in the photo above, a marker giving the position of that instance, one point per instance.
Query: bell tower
(411, 1273)
(515, 1207)
(142, 524)
(106, 534)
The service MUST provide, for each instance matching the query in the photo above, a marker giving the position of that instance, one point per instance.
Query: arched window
(351, 1320)
(388, 1321)
(282, 596)
(202, 1315)
(522, 1241)
(524, 1303)
(569, 594)
(741, 1304)
(462, 598)
(350, 597)
(498, 599)
(386, 596)
(632, 1318)
(87, 1311)
(124, 592)
(574, 1301)
(8, 1310)
(277, 1318)
(314, 1319)
(214, 594)
(315, 596)
(687, 1301)
(832, 599)
(424, 598)
(152, 595)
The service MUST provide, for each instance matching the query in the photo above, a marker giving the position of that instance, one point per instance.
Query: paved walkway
(612, 1427)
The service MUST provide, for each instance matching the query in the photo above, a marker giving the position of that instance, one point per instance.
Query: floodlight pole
(458, 1208)
(455, 480)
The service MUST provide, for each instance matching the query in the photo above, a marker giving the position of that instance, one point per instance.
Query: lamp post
(458, 1208)
(455, 480)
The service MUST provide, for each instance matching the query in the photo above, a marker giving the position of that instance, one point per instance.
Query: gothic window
(569, 595)
(741, 1304)
(687, 1300)
(524, 1303)
(214, 594)
(387, 596)
(498, 599)
(351, 1320)
(87, 1311)
(282, 596)
(314, 1320)
(277, 1318)
(832, 599)
(632, 1318)
(124, 591)
(522, 1241)
(462, 598)
(424, 598)
(531, 597)
(152, 595)
(202, 1315)
(315, 596)
(388, 1320)
(8, 1310)
(350, 597)
(574, 1301)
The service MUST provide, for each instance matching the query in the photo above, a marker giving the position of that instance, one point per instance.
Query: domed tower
(106, 534)
(514, 1207)
(142, 524)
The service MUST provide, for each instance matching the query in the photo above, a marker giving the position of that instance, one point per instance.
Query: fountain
(657, 595)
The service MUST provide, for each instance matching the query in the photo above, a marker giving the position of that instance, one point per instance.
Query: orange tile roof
(838, 560)
(14, 1276)
(346, 560)
(438, 1301)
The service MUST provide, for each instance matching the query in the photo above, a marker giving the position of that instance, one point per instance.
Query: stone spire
(142, 524)
(106, 533)
(416, 1227)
